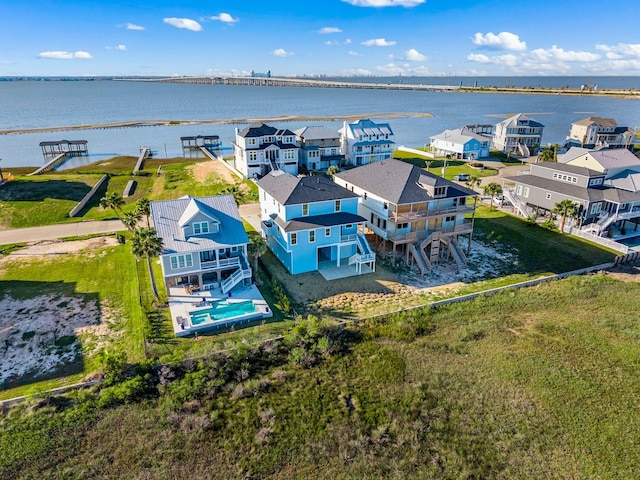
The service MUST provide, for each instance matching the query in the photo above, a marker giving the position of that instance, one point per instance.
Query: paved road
(52, 232)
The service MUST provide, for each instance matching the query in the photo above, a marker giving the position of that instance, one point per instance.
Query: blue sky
(332, 37)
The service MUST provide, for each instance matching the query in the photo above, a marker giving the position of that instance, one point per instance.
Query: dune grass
(538, 383)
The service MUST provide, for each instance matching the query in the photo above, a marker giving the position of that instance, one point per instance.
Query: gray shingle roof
(290, 190)
(166, 215)
(319, 221)
(262, 129)
(566, 168)
(398, 182)
(317, 132)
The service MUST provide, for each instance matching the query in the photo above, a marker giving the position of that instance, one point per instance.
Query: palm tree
(238, 194)
(143, 207)
(474, 181)
(492, 189)
(146, 243)
(565, 208)
(257, 248)
(131, 220)
(547, 155)
(113, 201)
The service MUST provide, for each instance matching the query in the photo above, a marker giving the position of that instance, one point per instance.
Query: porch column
(338, 255)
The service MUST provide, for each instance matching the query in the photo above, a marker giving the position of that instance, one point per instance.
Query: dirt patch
(59, 247)
(628, 272)
(202, 170)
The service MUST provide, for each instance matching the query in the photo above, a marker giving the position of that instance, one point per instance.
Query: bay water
(35, 104)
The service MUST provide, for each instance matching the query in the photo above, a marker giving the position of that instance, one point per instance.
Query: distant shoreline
(166, 123)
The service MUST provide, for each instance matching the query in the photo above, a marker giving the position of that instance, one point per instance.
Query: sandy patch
(628, 272)
(40, 334)
(201, 171)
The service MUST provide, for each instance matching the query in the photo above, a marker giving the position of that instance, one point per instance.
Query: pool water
(222, 310)
(630, 242)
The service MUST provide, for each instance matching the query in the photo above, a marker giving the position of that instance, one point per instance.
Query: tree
(238, 194)
(257, 248)
(143, 207)
(332, 170)
(113, 201)
(565, 208)
(146, 243)
(474, 181)
(492, 189)
(130, 220)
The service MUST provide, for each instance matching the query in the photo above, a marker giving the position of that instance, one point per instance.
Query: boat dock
(57, 152)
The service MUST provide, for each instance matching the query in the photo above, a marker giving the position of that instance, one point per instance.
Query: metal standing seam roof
(166, 215)
(513, 121)
(399, 182)
(460, 135)
(290, 190)
(368, 127)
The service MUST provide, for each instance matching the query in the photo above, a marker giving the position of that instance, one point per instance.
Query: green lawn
(107, 275)
(453, 167)
(538, 383)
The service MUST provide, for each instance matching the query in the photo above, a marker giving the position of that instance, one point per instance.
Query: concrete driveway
(53, 232)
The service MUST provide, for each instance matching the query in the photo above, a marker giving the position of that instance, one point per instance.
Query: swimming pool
(631, 242)
(222, 310)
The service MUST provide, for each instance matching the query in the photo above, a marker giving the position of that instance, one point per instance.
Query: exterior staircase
(518, 204)
(243, 271)
(456, 252)
(524, 150)
(365, 255)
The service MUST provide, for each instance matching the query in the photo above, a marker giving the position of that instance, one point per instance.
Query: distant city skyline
(328, 37)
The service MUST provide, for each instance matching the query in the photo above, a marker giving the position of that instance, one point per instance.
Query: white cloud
(327, 30)
(332, 43)
(478, 57)
(121, 48)
(356, 72)
(281, 52)
(413, 55)
(185, 23)
(354, 54)
(347, 41)
(556, 53)
(379, 42)
(501, 41)
(384, 3)
(394, 69)
(224, 18)
(62, 55)
(133, 26)
(621, 50)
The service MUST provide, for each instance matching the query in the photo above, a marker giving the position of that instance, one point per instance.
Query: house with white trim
(260, 148)
(205, 243)
(319, 147)
(461, 144)
(417, 213)
(366, 142)
(518, 134)
(598, 133)
(310, 223)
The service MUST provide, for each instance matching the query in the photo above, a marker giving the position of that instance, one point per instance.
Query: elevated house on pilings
(420, 215)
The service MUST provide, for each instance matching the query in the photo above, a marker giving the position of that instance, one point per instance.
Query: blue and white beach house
(311, 223)
(204, 263)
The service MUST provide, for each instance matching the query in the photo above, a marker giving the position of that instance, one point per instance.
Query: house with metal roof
(205, 243)
(598, 133)
(310, 223)
(421, 215)
(260, 148)
(461, 143)
(518, 134)
(600, 204)
(319, 147)
(366, 142)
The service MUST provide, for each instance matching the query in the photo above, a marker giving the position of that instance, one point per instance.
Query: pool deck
(181, 304)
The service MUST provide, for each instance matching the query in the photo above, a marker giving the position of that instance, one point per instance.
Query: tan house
(598, 132)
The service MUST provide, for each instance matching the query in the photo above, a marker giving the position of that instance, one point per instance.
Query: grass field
(538, 383)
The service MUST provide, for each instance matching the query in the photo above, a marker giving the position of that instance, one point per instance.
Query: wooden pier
(57, 152)
(210, 142)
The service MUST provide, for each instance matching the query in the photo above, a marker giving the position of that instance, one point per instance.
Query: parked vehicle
(461, 177)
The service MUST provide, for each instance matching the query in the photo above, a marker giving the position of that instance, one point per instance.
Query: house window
(200, 227)
(294, 239)
(386, 205)
(548, 196)
(251, 141)
(519, 190)
(337, 206)
(449, 219)
(312, 236)
(384, 224)
(305, 209)
(365, 195)
(253, 156)
(327, 232)
(402, 226)
(596, 207)
(526, 192)
(181, 261)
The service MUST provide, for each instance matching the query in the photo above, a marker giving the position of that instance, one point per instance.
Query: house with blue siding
(417, 213)
(205, 243)
(366, 142)
(462, 144)
(311, 223)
